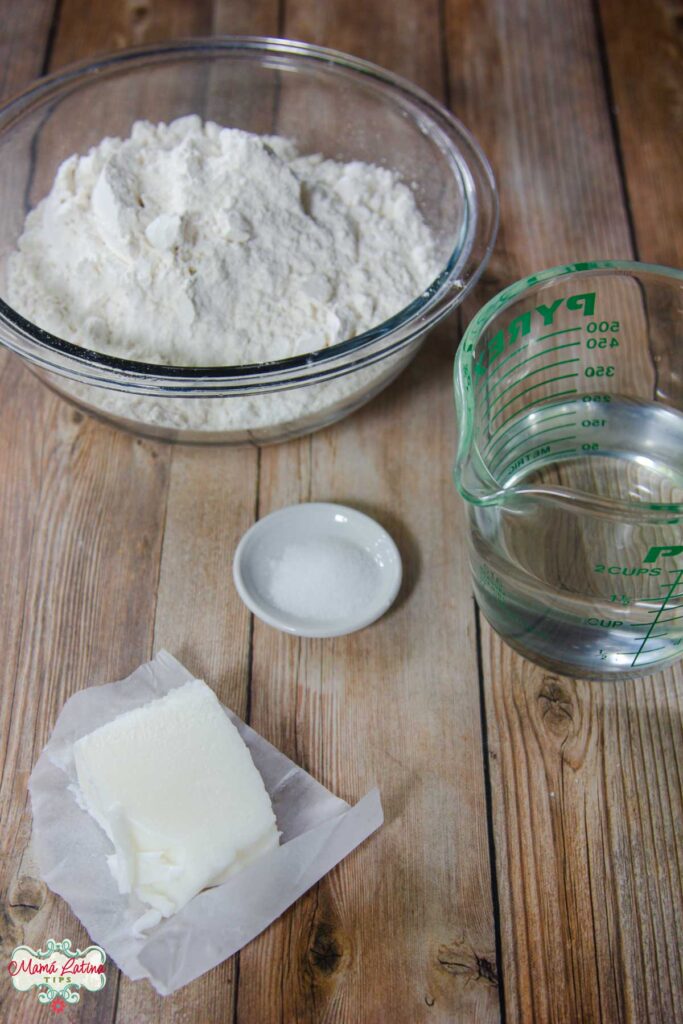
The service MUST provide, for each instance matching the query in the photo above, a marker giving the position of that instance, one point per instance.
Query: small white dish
(306, 529)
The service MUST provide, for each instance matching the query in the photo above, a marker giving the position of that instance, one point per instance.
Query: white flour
(198, 245)
(191, 244)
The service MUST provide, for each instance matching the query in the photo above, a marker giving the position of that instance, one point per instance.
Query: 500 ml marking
(604, 340)
(520, 326)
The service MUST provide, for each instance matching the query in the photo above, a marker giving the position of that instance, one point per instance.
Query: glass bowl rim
(427, 303)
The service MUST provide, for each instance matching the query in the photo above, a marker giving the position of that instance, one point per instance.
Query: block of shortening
(174, 787)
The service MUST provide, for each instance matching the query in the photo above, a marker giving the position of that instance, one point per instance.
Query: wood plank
(403, 929)
(82, 520)
(88, 582)
(649, 123)
(644, 51)
(200, 618)
(22, 48)
(221, 625)
(23, 43)
(51, 583)
(585, 784)
(397, 705)
(404, 37)
(86, 29)
(605, 850)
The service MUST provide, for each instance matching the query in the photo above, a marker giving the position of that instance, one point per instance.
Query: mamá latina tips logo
(58, 972)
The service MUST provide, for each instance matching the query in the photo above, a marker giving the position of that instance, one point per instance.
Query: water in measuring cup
(595, 594)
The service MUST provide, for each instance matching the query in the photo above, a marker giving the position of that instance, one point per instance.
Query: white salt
(323, 579)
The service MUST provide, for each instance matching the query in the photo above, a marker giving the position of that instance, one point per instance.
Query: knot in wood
(459, 958)
(557, 707)
(139, 12)
(25, 898)
(326, 951)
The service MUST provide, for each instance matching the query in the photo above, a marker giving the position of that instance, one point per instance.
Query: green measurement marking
(565, 451)
(523, 455)
(549, 366)
(657, 600)
(530, 405)
(546, 352)
(532, 387)
(667, 597)
(505, 437)
(537, 355)
(500, 432)
(671, 618)
(525, 430)
(556, 416)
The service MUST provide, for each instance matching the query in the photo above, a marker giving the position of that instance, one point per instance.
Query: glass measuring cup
(569, 391)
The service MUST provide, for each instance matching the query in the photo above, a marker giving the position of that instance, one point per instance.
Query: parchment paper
(318, 830)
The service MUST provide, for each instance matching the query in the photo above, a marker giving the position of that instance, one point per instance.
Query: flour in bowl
(195, 245)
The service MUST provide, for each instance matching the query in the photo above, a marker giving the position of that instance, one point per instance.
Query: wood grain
(211, 502)
(402, 930)
(24, 27)
(82, 521)
(586, 828)
(73, 541)
(112, 547)
(211, 498)
(644, 50)
(649, 126)
(85, 578)
(23, 42)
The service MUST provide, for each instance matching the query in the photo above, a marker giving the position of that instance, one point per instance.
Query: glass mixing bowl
(329, 103)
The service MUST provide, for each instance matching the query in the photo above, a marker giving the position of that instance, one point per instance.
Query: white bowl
(280, 535)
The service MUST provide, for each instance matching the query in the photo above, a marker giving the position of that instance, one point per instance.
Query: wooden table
(530, 864)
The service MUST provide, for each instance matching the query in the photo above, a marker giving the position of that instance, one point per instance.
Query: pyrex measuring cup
(569, 390)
